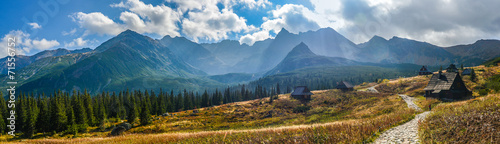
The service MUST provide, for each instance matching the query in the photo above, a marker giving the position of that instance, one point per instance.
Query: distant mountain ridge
(301, 56)
(130, 56)
(136, 61)
(22, 60)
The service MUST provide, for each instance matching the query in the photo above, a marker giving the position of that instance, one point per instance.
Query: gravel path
(372, 89)
(409, 101)
(406, 133)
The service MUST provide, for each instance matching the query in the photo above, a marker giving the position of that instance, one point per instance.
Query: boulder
(165, 114)
(127, 126)
(118, 131)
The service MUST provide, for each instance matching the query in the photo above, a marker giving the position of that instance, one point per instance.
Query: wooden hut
(467, 72)
(345, 86)
(446, 86)
(301, 92)
(424, 71)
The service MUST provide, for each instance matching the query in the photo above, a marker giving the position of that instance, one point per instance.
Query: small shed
(467, 72)
(452, 68)
(424, 71)
(345, 86)
(301, 92)
(446, 86)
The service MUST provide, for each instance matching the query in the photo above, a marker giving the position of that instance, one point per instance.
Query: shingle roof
(301, 90)
(424, 69)
(441, 81)
(466, 72)
(344, 85)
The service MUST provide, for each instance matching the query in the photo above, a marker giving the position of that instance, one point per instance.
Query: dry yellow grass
(330, 110)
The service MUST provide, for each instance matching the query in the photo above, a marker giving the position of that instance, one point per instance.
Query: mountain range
(134, 61)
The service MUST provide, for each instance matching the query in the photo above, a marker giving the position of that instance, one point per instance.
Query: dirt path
(406, 133)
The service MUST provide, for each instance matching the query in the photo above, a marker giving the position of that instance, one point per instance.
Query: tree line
(75, 112)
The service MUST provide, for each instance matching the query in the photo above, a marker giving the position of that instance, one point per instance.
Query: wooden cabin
(467, 72)
(345, 86)
(424, 71)
(446, 86)
(301, 92)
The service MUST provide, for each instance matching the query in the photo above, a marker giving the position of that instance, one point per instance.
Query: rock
(196, 111)
(127, 126)
(165, 114)
(118, 131)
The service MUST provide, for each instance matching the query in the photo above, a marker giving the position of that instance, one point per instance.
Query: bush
(301, 109)
(118, 130)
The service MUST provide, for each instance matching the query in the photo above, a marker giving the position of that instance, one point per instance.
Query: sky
(72, 24)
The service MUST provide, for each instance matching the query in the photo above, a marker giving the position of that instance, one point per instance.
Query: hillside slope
(123, 59)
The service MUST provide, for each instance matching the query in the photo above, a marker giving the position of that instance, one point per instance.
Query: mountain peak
(300, 50)
(128, 32)
(283, 31)
(377, 38)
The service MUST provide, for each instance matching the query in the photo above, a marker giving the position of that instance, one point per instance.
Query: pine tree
(473, 76)
(132, 110)
(145, 114)
(43, 120)
(87, 102)
(204, 99)
(80, 116)
(278, 88)
(21, 112)
(29, 126)
(58, 116)
(3, 124)
(71, 125)
(187, 101)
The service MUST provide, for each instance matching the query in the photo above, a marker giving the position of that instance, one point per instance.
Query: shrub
(301, 109)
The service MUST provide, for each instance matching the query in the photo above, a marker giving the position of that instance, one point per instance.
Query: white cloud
(213, 25)
(459, 22)
(44, 44)
(294, 18)
(24, 44)
(72, 32)
(97, 23)
(34, 25)
(77, 42)
(250, 39)
(146, 18)
(204, 20)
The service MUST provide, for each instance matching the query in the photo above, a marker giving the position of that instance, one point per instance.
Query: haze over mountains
(131, 60)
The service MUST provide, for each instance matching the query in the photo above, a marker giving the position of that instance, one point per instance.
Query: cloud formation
(97, 23)
(24, 44)
(35, 26)
(440, 22)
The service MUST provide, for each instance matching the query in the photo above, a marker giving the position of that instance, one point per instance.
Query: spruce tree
(3, 110)
(132, 110)
(71, 125)
(278, 88)
(80, 116)
(29, 126)
(204, 99)
(21, 112)
(58, 116)
(473, 76)
(43, 120)
(87, 102)
(145, 117)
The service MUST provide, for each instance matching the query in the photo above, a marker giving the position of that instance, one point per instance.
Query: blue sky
(72, 24)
